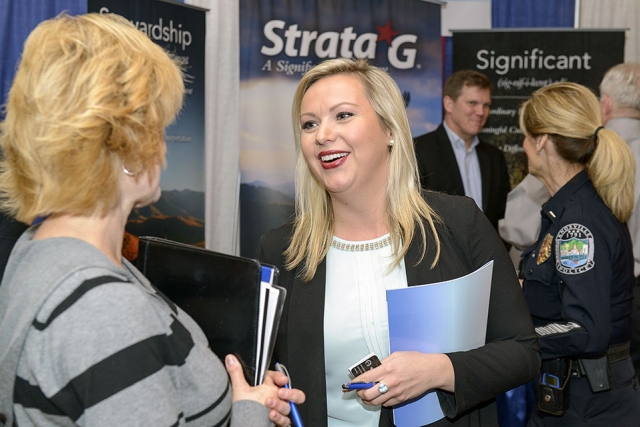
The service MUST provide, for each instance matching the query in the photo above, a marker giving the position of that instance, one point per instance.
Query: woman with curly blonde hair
(85, 339)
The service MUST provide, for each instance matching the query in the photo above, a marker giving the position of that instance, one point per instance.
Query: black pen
(295, 415)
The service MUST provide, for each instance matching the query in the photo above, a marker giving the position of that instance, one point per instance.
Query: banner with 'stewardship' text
(179, 214)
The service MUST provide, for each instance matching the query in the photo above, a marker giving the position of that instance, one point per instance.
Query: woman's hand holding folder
(271, 393)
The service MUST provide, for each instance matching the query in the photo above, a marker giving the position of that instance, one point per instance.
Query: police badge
(574, 249)
(545, 249)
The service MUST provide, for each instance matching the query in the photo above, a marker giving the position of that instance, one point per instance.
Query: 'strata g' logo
(331, 44)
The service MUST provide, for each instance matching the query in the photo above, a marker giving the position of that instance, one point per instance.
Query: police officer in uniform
(578, 276)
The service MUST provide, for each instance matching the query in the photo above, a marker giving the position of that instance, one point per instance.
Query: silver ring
(382, 387)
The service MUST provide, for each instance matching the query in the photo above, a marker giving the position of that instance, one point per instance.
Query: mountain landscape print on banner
(262, 208)
(178, 215)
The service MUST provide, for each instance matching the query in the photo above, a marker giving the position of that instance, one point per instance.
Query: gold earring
(124, 169)
(130, 173)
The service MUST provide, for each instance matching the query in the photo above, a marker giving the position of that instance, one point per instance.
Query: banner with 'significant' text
(520, 61)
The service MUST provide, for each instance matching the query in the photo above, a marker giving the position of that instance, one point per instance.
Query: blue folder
(439, 317)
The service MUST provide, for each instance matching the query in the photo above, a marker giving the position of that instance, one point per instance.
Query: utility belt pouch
(597, 372)
(553, 393)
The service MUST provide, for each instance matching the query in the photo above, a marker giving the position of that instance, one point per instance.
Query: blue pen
(358, 385)
(295, 415)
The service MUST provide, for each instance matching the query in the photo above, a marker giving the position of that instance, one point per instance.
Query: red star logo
(386, 33)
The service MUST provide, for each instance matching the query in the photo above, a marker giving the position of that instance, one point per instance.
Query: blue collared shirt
(468, 165)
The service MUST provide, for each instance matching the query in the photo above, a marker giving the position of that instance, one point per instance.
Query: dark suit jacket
(439, 171)
(10, 231)
(468, 242)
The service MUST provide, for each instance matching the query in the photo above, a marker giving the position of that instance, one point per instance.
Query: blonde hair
(570, 115)
(406, 209)
(92, 95)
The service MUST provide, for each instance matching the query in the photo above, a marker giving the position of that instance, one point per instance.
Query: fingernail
(230, 360)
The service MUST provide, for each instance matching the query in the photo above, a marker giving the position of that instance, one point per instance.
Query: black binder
(230, 298)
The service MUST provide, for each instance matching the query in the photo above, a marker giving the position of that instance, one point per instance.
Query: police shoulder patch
(574, 249)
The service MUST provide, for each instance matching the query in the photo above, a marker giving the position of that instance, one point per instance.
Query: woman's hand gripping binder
(235, 300)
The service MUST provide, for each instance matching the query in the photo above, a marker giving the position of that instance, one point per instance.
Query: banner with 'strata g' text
(281, 40)
(518, 62)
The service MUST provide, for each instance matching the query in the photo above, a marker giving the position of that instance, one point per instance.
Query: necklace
(361, 247)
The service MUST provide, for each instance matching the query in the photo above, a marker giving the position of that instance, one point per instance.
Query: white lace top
(355, 320)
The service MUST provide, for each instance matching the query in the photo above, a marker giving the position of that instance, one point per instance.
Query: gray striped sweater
(84, 342)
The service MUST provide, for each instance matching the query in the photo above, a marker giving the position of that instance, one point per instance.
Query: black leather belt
(618, 352)
(615, 353)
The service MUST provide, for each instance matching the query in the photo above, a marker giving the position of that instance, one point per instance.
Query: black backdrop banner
(180, 213)
(518, 62)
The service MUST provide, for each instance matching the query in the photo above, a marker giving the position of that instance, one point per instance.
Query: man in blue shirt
(453, 160)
